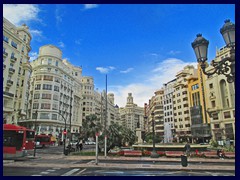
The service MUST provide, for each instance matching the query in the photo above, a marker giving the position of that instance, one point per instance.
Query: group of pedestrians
(79, 145)
(187, 149)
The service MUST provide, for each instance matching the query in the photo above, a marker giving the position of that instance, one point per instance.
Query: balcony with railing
(11, 70)
(13, 59)
(9, 82)
(8, 94)
(5, 54)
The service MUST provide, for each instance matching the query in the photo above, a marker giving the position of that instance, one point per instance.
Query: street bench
(173, 153)
(210, 154)
(229, 154)
(132, 153)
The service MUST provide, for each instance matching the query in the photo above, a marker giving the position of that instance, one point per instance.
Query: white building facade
(16, 71)
(55, 94)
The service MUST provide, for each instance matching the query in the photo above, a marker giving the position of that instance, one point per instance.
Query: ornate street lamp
(226, 66)
(153, 154)
(35, 128)
(64, 133)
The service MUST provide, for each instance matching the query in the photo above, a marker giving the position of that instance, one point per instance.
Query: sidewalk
(160, 163)
(156, 163)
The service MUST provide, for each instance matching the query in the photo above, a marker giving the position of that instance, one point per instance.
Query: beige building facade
(169, 129)
(221, 103)
(16, 71)
(132, 115)
(182, 120)
(55, 94)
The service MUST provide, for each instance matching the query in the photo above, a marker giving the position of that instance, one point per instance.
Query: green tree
(90, 126)
(117, 135)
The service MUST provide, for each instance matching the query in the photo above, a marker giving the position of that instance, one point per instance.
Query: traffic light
(64, 132)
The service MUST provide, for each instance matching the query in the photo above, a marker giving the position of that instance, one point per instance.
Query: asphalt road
(41, 171)
(50, 161)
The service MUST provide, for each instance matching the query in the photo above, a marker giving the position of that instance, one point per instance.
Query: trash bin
(184, 161)
(66, 152)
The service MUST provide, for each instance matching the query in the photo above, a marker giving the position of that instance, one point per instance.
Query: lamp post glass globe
(225, 66)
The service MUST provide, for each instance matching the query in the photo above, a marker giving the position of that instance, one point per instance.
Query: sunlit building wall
(16, 71)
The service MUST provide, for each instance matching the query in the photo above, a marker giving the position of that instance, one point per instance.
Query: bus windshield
(30, 134)
(13, 138)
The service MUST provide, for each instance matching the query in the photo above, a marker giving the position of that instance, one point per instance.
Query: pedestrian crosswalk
(49, 172)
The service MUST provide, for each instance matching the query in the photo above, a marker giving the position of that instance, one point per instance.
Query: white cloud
(105, 70)
(164, 72)
(127, 70)
(61, 44)
(36, 35)
(90, 6)
(172, 52)
(20, 13)
(33, 56)
(78, 41)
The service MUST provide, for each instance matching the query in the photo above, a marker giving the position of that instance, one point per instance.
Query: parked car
(89, 142)
(73, 143)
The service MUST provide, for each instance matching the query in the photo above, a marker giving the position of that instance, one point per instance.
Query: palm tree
(91, 125)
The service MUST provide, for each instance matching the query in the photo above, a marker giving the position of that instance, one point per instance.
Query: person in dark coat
(187, 149)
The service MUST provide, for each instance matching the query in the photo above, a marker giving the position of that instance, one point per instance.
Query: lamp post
(64, 133)
(226, 66)
(153, 154)
(35, 128)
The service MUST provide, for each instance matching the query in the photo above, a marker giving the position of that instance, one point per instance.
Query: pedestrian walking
(187, 149)
(78, 146)
(220, 153)
(81, 145)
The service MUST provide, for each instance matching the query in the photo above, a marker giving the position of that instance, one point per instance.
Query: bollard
(184, 161)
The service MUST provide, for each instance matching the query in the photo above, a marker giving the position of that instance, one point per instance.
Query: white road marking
(44, 172)
(51, 170)
(82, 171)
(36, 175)
(70, 172)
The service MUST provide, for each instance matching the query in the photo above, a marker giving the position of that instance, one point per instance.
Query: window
(54, 116)
(49, 61)
(47, 87)
(46, 96)
(55, 106)
(227, 115)
(35, 105)
(37, 86)
(12, 55)
(215, 116)
(194, 87)
(36, 96)
(5, 38)
(55, 97)
(45, 106)
(56, 88)
(48, 78)
(57, 80)
(14, 44)
(56, 63)
(39, 77)
(44, 116)
(216, 126)
(211, 86)
(213, 104)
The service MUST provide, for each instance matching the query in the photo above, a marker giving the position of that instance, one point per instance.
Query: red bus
(43, 140)
(16, 141)
(30, 139)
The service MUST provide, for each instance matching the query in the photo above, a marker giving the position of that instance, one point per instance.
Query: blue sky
(140, 47)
